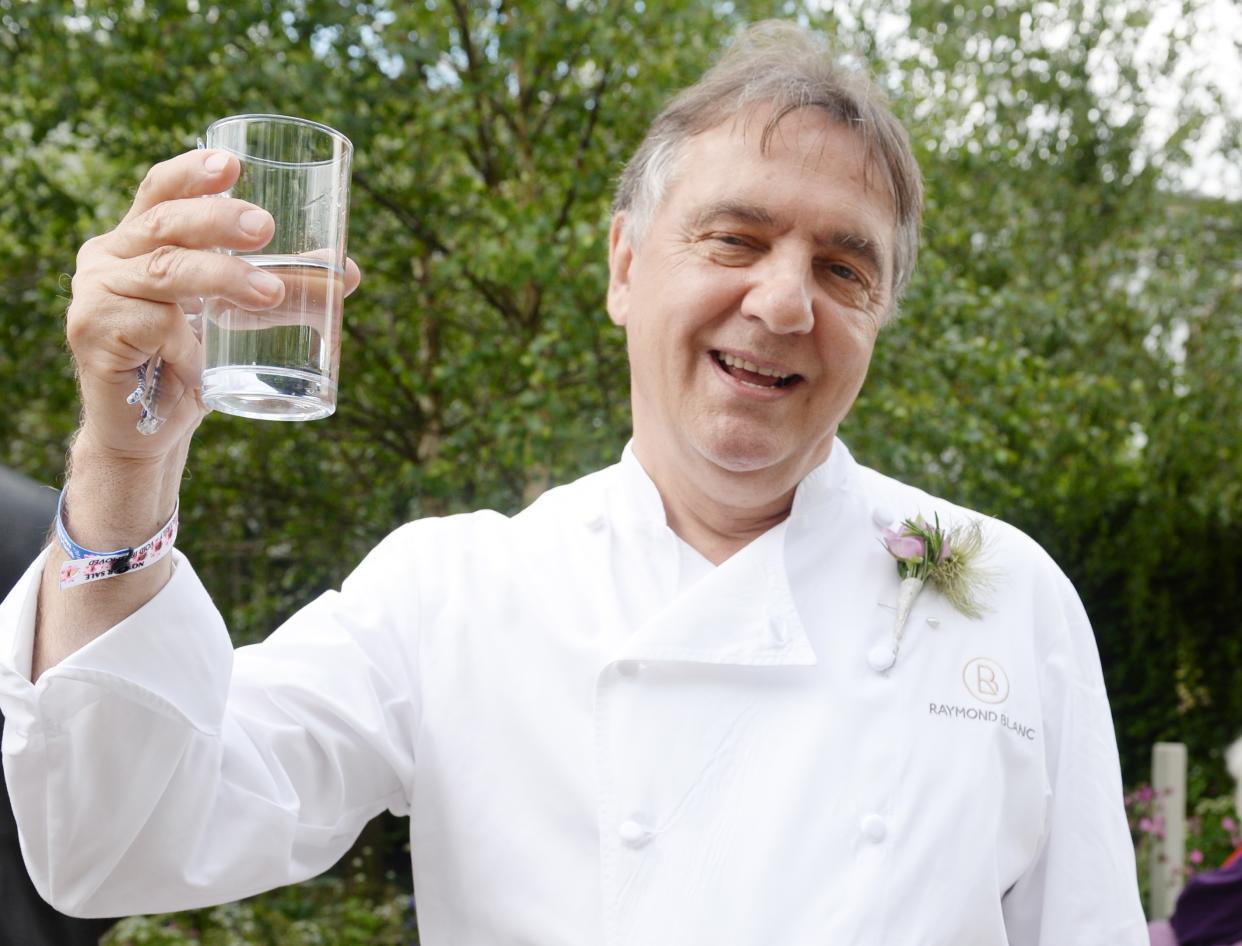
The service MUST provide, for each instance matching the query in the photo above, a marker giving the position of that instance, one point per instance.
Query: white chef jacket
(601, 739)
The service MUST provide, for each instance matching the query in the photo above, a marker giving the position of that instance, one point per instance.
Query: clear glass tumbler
(283, 363)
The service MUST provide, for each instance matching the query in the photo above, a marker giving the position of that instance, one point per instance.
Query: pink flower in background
(1196, 856)
(1228, 824)
(1152, 825)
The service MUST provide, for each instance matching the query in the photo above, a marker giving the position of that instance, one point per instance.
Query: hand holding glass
(282, 363)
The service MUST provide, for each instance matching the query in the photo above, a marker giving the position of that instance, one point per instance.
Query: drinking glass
(283, 363)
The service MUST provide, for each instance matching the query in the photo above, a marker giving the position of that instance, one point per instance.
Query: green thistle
(948, 559)
(958, 576)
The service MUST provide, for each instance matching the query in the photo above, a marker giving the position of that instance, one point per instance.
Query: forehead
(810, 170)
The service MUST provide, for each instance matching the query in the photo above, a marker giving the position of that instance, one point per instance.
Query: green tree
(1068, 357)
(479, 365)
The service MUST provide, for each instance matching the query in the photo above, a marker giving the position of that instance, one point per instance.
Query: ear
(620, 257)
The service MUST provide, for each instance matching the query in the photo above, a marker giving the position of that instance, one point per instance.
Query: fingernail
(216, 162)
(264, 283)
(254, 221)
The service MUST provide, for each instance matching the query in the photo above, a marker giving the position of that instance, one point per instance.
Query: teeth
(734, 362)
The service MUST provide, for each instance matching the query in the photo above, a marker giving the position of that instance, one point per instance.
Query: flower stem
(909, 590)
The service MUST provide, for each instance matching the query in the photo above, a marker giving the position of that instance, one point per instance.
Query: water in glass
(280, 363)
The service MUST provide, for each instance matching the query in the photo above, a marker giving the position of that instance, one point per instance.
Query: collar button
(874, 828)
(881, 657)
(633, 833)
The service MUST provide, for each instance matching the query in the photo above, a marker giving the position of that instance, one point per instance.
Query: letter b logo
(985, 680)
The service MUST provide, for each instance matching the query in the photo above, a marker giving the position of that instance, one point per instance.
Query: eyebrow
(866, 247)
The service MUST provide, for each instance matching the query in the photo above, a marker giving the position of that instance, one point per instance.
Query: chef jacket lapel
(741, 612)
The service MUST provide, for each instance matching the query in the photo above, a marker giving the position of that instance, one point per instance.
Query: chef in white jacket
(665, 704)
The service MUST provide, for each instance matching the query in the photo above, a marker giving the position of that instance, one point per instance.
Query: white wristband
(85, 565)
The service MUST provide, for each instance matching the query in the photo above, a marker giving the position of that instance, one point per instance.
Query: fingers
(112, 336)
(170, 274)
(200, 224)
(353, 276)
(191, 174)
(290, 309)
(108, 344)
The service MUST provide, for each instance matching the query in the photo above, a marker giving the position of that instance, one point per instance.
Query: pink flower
(1196, 856)
(1146, 793)
(1146, 825)
(904, 546)
(1228, 824)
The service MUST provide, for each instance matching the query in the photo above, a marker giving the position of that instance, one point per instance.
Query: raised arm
(131, 292)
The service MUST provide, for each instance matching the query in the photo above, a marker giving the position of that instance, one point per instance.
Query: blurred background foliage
(1068, 356)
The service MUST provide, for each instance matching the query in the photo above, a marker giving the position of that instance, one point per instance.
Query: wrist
(85, 565)
(113, 501)
(89, 446)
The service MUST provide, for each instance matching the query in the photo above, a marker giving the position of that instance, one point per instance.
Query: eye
(730, 249)
(843, 271)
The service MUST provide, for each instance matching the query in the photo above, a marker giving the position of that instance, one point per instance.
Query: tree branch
(487, 155)
(584, 142)
(496, 296)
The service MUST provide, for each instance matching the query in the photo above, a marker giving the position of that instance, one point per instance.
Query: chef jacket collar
(742, 612)
(640, 500)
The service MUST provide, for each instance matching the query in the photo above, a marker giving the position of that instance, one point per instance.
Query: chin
(751, 448)
(741, 452)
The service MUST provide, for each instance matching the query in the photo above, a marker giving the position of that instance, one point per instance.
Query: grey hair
(781, 65)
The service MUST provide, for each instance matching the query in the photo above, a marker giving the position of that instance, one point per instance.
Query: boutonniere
(947, 559)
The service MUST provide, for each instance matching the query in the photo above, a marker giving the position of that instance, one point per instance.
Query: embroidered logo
(986, 680)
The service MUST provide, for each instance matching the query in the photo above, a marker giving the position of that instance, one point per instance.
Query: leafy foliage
(318, 913)
(1068, 356)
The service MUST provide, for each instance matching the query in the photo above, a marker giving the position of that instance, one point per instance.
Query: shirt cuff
(172, 655)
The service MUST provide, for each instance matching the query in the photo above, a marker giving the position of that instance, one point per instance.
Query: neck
(718, 512)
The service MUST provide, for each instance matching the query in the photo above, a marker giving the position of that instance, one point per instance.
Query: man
(667, 703)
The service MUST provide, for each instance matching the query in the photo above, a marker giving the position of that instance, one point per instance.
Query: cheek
(666, 329)
(655, 351)
(848, 343)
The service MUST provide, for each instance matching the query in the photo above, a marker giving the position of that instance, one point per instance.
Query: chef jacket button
(881, 657)
(875, 828)
(628, 668)
(633, 834)
(882, 516)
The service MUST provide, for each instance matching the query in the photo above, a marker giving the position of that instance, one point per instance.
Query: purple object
(1209, 909)
(1161, 933)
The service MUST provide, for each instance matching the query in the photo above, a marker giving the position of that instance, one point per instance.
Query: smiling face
(752, 302)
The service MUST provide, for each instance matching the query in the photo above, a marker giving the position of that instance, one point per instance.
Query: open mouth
(751, 374)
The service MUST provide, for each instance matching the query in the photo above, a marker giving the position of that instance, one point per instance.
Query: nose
(782, 296)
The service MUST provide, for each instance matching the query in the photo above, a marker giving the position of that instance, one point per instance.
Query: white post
(1168, 779)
